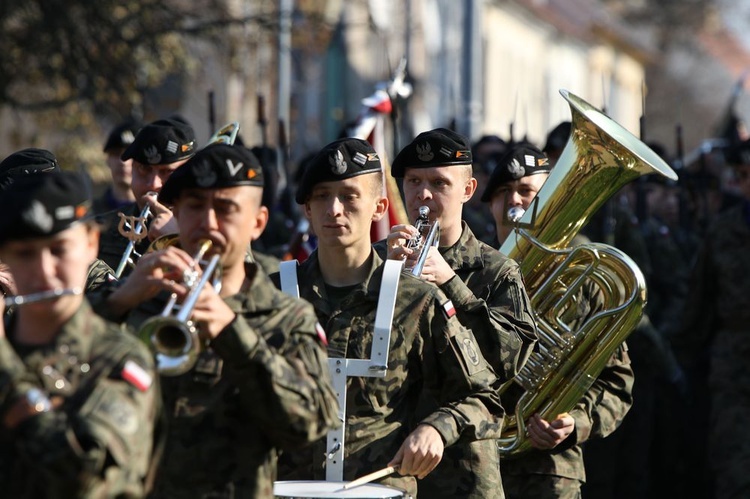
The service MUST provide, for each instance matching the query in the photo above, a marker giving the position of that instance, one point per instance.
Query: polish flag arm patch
(321, 333)
(136, 376)
(449, 309)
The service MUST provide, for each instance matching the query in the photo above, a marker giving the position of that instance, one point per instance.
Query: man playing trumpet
(77, 397)
(262, 384)
(158, 150)
(485, 287)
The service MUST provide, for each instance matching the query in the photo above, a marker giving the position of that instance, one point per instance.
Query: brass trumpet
(428, 234)
(174, 337)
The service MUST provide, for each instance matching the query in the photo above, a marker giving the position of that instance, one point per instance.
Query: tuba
(599, 158)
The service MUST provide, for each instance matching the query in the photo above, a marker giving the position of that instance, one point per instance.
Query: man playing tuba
(554, 468)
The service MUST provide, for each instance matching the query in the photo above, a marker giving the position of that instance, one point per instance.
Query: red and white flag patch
(321, 333)
(136, 376)
(449, 309)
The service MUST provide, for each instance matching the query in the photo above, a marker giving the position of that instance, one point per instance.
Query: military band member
(33, 161)
(77, 397)
(431, 355)
(554, 469)
(119, 193)
(262, 384)
(158, 150)
(485, 287)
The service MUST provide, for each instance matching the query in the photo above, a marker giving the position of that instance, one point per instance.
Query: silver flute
(41, 296)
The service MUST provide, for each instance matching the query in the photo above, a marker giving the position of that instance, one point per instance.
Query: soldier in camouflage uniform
(119, 193)
(717, 324)
(32, 161)
(158, 150)
(438, 388)
(77, 397)
(555, 468)
(263, 385)
(485, 286)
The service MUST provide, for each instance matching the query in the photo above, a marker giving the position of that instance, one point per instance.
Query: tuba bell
(599, 158)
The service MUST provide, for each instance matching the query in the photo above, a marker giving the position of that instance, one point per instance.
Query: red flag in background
(370, 126)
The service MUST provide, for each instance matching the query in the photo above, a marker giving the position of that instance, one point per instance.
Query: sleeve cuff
(457, 291)
(583, 426)
(445, 424)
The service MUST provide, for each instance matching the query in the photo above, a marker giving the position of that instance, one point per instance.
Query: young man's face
(518, 193)
(342, 212)
(443, 189)
(58, 262)
(151, 178)
(231, 218)
(122, 171)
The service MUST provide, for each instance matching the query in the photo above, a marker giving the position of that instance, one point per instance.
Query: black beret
(439, 147)
(26, 162)
(521, 160)
(216, 166)
(339, 160)
(162, 142)
(122, 135)
(43, 205)
(558, 137)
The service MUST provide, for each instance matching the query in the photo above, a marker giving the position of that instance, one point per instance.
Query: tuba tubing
(599, 158)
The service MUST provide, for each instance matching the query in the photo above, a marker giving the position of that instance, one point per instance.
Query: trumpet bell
(175, 344)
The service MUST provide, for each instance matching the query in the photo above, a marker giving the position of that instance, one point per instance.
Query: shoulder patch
(448, 309)
(136, 376)
(321, 333)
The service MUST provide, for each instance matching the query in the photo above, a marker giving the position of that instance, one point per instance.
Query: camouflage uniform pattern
(559, 473)
(112, 244)
(490, 299)
(718, 321)
(99, 274)
(98, 443)
(435, 375)
(262, 386)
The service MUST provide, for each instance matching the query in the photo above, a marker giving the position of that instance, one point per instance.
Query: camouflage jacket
(431, 357)
(98, 443)
(112, 244)
(99, 273)
(719, 287)
(597, 414)
(491, 300)
(263, 385)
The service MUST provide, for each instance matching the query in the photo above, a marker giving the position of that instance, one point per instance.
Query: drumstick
(369, 478)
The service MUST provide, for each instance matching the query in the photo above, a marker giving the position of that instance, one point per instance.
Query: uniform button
(59, 384)
(47, 370)
(64, 348)
(72, 360)
(85, 368)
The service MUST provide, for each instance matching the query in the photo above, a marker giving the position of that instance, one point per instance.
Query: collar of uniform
(257, 298)
(466, 253)
(310, 269)
(72, 343)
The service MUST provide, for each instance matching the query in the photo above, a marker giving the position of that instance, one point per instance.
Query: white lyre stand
(374, 367)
